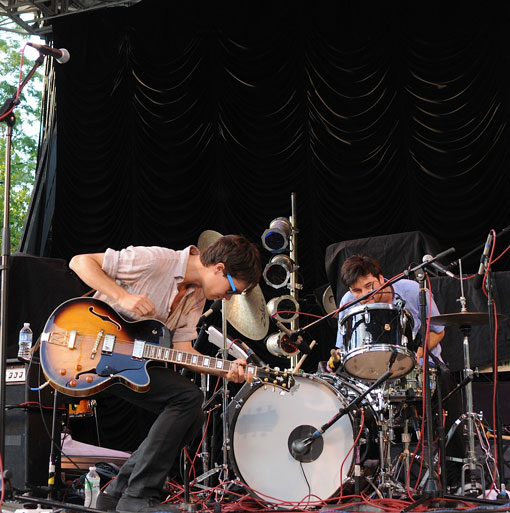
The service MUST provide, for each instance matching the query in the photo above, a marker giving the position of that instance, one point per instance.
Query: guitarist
(171, 286)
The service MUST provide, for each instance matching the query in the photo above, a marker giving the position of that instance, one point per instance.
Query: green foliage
(25, 134)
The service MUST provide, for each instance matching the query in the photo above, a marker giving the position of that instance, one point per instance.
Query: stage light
(276, 238)
(283, 304)
(277, 272)
(277, 345)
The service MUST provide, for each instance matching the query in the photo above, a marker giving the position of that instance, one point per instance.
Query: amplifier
(27, 426)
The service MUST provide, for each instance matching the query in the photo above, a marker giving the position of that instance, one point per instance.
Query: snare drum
(372, 333)
(410, 387)
(264, 423)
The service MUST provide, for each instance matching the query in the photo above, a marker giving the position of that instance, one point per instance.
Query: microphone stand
(476, 250)
(431, 488)
(498, 428)
(8, 117)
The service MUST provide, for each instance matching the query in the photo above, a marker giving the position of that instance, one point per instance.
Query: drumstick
(303, 358)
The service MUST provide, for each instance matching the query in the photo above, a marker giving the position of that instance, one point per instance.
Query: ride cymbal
(464, 319)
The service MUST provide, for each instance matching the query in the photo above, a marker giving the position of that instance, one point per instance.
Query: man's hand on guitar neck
(237, 372)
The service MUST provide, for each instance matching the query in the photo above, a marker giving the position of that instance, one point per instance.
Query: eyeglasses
(233, 290)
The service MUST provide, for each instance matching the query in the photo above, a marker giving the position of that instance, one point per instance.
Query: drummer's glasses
(233, 290)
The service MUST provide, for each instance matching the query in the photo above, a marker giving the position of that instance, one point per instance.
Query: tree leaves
(25, 132)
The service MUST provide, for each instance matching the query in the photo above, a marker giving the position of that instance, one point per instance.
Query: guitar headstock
(275, 378)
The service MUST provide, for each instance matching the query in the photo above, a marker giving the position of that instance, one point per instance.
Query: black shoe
(128, 504)
(106, 502)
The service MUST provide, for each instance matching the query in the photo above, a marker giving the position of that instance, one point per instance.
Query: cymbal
(248, 314)
(464, 319)
(328, 300)
(206, 238)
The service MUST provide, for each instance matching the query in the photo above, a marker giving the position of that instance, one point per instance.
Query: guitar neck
(205, 363)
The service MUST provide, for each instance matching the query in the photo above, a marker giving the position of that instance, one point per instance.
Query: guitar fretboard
(207, 363)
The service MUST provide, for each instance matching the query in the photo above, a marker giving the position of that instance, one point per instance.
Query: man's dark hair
(357, 266)
(240, 256)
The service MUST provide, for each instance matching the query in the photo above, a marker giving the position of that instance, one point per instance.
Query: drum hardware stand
(224, 392)
(470, 462)
(387, 480)
(498, 429)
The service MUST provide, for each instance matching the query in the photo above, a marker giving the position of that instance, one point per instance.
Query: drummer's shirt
(409, 291)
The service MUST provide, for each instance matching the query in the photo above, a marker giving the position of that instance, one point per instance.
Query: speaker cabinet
(27, 426)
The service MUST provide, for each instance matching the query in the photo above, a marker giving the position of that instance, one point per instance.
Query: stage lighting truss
(276, 238)
(278, 271)
(286, 305)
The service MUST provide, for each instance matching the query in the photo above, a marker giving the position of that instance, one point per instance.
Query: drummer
(363, 274)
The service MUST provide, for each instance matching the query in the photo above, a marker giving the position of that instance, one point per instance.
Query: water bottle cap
(26, 325)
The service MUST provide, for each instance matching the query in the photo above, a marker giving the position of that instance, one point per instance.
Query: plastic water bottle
(92, 487)
(25, 342)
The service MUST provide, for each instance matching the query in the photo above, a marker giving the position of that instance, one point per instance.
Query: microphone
(437, 266)
(478, 280)
(237, 349)
(300, 447)
(215, 307)
(292, 338)
(60, 55)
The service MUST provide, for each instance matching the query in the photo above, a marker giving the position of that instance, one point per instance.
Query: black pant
(178, 403)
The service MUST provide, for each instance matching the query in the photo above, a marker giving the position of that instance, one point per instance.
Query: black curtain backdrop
(383, 117)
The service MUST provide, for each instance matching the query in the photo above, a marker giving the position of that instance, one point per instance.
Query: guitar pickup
(138, 347)
(108, 343)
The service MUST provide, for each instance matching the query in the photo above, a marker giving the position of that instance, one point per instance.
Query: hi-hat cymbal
(464, 319)
(248, 314)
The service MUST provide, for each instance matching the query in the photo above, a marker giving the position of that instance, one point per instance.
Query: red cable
(350, 450)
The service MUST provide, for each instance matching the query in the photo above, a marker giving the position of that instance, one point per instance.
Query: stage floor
(232, 503)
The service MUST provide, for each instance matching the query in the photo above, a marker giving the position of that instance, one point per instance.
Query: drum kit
(359, 452)
(335, 434)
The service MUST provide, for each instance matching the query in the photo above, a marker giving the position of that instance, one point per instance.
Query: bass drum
(263, 425)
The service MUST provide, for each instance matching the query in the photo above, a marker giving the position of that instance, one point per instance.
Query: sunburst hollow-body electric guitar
(86, 346)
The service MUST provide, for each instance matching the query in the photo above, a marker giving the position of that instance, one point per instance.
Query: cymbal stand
(470, 462)
(222, 468)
